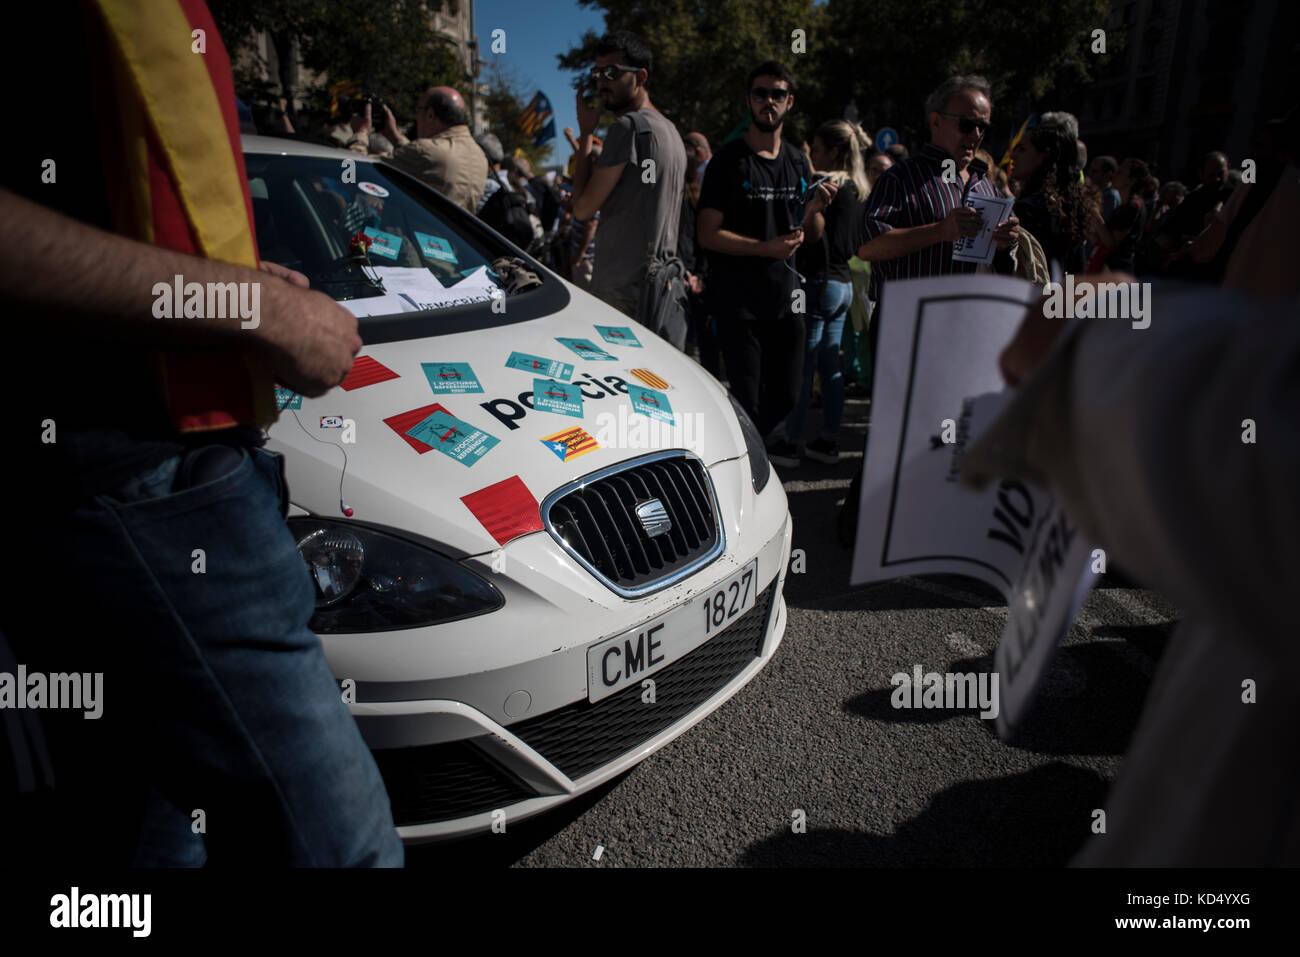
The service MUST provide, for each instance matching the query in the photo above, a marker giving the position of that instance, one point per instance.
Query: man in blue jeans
(149, 546)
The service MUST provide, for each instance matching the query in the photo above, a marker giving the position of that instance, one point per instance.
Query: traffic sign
(886, 137)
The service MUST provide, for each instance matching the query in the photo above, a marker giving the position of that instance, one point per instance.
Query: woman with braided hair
(1053, 204)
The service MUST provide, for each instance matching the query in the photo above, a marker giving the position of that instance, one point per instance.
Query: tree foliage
(703, 51)
(388, 48)
(883, 56)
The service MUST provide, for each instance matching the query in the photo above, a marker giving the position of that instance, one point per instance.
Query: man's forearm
(582, 165)
(900, 241)
(733, 244)
(104, 282)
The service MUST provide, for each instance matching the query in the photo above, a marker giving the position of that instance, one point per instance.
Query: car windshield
(373, 245)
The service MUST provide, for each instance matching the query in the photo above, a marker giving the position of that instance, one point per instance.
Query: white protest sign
(937, 388)
(979, 248)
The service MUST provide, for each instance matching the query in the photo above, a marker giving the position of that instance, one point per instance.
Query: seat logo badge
(654, 518)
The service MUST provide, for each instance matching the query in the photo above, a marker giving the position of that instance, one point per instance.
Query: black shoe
(785, 453)
(823, 450)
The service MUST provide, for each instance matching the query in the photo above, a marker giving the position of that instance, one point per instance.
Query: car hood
(348, 448)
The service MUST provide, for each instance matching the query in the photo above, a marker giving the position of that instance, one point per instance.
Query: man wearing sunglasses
(755, 209)
(636, 185)
(915, 212)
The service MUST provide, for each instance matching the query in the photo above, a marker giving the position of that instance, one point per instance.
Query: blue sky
(536, 32)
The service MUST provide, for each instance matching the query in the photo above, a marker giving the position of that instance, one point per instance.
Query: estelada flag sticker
(570, 443)
(408, 420)
(367, 371)
(507, 509)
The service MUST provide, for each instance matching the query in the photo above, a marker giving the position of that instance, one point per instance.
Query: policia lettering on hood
(508, 413)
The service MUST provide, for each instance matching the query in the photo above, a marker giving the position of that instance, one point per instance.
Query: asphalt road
(815, 732)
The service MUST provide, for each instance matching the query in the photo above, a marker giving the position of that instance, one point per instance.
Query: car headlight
(367, 581)
(760, 469)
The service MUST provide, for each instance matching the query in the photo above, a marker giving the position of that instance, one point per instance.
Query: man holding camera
(443, 153)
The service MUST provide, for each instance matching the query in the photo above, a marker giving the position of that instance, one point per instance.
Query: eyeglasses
(966, 124)
(611, 71)
(760, 93)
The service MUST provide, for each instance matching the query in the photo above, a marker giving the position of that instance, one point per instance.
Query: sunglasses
(966, 124)
(760, 93)
(610, 72)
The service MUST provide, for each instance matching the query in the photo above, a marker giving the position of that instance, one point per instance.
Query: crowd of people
(786, 247)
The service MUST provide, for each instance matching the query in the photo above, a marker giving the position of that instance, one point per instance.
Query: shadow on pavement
(1036, 819)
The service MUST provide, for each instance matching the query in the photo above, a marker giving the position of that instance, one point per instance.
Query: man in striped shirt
(915, 213)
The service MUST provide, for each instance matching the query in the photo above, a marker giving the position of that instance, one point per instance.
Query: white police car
(544, 542)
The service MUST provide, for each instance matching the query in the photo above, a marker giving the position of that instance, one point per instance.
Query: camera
(357, 104)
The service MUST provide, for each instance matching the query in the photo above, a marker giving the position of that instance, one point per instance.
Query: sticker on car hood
(506, 509)
(367, 371)
(619, 335)
(585, 348)
(564, 398)
(453, 438)
(650, 379)
(570, 443)
(651, 403)
(454, 377)
(550, 368)
(287, 398)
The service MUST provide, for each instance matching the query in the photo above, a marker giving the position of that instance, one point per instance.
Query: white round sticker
(373, 189)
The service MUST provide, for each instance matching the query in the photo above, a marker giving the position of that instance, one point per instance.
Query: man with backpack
(636, 186)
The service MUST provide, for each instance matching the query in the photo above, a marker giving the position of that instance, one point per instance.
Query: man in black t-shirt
(752, 218)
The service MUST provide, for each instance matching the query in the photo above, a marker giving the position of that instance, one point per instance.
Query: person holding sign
(1173, 447)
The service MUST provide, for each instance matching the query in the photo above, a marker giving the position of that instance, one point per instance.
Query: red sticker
(367, 371)
(507, 509)
(405, 420)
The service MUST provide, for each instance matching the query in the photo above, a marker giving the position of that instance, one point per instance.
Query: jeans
(828, 306)
(763, 359)
(194, 603)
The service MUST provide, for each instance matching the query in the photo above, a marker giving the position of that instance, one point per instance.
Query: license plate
(626, 659)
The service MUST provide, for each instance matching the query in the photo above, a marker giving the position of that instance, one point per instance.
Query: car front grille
(440, 782)
(581, 737)
(595, 520)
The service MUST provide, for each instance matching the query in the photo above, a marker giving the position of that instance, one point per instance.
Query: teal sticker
(585, 348)
(455, 377)
(385, 244)
(283, 395)
(550, 368)
(562, 397)
(435, 247)
(453, 438)
(651, 403)
(619, 335)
